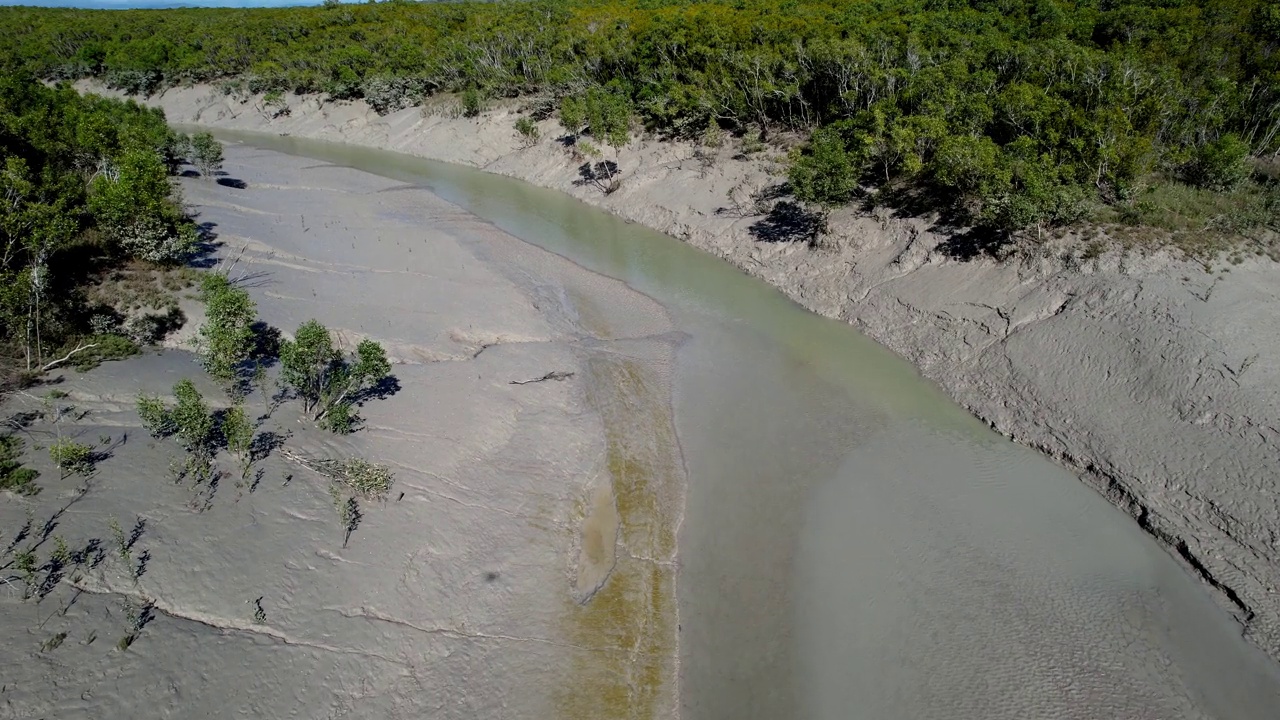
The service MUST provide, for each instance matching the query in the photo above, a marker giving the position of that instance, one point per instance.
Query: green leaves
(1115, 94)
(191, 419)
(606, 113)
(155, 416)
(226, 339)
(13, 476)
(237, 430)
(206, 154)
(827, 173)
(307, 361)
(1220, 165)
(328, 382)
(71, 457)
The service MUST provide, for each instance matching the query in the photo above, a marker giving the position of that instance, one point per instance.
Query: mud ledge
(1155, 378)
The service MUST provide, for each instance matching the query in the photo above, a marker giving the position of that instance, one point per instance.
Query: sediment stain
(630, 621)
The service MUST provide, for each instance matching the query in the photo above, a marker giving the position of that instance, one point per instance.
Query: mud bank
(1156, 379)
(459, 595)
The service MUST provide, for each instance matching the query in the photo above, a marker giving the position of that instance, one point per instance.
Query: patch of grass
(109, 347)
(138, 287)
(1201, 223)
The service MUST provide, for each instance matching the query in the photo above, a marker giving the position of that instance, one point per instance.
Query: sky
(122, 4)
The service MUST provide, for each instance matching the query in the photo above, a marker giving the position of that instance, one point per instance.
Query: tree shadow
(265, 443)
(967, 239)
(603, 175)
(189, 173)
(147, 614)
(206, 245)
(381, 390)
(144, 557)
(975, 242)
(53, 570)
(232, 183)
(92, 554)
(135, 534)
(260, 278)
(266, 344)
(351, 517)
(202, 497)
(787, 221)
(23, 533)
(22, 420)
(102, 454)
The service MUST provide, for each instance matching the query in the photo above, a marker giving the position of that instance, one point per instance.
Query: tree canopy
(1022, 111)
(83, 185)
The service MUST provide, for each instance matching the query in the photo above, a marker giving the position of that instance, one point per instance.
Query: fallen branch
(68, 356)
(368, 479)
(553, 375)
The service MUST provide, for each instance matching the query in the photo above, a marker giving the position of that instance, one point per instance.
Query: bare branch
(68, 356)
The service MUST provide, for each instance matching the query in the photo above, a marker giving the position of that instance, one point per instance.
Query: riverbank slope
(1155, 378)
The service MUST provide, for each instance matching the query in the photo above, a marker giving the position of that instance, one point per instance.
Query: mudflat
(522, 564)
(1147, 374)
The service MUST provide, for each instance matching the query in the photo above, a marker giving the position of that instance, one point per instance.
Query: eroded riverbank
(1154, 378)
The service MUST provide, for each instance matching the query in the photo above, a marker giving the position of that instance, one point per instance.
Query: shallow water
(855, 545)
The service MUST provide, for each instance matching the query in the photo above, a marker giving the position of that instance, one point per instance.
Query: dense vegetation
(1015, 113)
(84, 188)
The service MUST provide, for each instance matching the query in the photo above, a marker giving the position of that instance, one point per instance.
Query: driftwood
(68, 356)
(553, 375)
(368, 479)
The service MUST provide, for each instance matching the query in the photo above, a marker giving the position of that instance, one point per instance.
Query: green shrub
(192, 421)
(472, 102)
(206, 154)
(109, 347)
(156, 418)
(826, 173)
(573, 114)
(327, 381)
(13, 476)
(238, 432)
(1220, 165)
(226, 339)
(528, 130)
(70, 457)
(156, 241)
(389, 93)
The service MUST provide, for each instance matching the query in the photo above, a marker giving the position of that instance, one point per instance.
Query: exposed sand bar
(463, 595)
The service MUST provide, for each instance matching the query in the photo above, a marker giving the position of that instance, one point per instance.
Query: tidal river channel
(854, 544)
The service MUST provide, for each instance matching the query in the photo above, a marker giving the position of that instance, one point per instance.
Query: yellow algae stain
(627, 629)
(598, 543)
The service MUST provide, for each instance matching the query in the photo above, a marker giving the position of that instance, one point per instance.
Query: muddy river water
(855, 545)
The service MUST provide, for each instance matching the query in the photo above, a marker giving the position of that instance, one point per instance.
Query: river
(855, 545)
